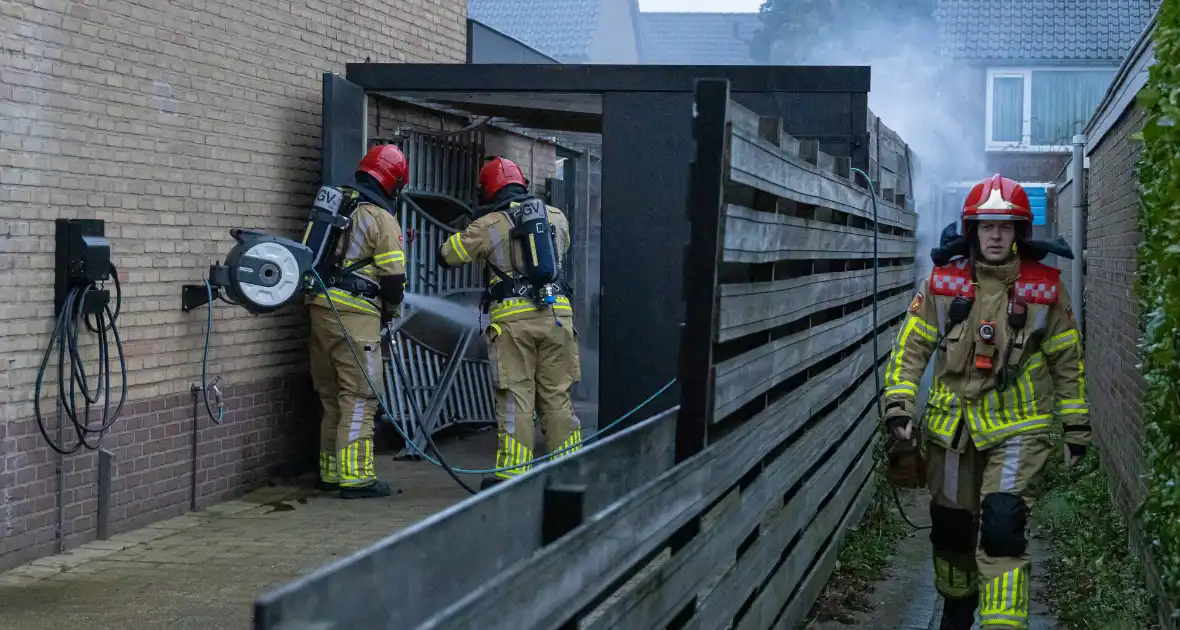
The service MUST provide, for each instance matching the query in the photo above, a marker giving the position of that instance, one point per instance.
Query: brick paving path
(203, 570)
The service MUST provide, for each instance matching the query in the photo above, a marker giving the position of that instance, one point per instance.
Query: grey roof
(1042, 30)
(558, 28)
(697, 38)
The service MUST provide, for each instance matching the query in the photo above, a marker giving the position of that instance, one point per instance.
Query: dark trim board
(647, 145)
(519, 78)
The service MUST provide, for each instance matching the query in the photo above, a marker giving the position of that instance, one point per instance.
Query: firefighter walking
(1008, 360)
(532, 344)
(366, 284)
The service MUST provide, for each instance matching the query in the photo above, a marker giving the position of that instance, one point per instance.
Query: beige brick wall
(1112, 318)
(173, 121)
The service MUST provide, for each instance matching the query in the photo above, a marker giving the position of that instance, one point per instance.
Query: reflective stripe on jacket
(374, 234)
(1046, 375)
(488, 239)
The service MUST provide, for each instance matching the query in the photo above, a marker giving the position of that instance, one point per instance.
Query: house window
(1035, 109)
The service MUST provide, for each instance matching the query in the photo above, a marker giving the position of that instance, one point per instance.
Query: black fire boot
(958, 613)
(489, 482)
(376, 490)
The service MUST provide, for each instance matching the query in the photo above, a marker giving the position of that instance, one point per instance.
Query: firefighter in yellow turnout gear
(532, 348)
(1007, 361)
(366, 298)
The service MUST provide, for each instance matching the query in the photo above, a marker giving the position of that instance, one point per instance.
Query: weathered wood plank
(446, 560)
(742, 378)
(752, 236)
(717, 608)
(814, 583)
(759, 164)
(607, 546)
(753, 307)
(774, 594)
(663, 592)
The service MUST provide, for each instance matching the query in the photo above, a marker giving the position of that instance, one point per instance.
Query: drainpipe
(1077, 218)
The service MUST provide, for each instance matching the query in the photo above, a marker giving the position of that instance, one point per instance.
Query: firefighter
(367, 299)
(1007, 360)
(532, 344)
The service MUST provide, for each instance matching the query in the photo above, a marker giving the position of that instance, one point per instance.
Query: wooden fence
(726, 512)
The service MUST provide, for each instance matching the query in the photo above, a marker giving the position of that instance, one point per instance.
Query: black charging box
(82, 256)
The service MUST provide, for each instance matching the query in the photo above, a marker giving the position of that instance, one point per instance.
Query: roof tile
(1031, 30)
(697, 38)
(559, 28)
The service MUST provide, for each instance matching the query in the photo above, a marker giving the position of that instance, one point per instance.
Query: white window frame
(1025, 144)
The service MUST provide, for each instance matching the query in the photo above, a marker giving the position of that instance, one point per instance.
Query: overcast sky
(729, 6)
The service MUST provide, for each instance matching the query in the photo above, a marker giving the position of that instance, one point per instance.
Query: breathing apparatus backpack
(538, 248)
(329, 219)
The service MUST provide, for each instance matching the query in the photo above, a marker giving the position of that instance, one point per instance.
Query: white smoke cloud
(914, 91)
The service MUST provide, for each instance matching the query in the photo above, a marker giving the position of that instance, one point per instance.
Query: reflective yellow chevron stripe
(356, 464)
(512, 454)
(1004, 601)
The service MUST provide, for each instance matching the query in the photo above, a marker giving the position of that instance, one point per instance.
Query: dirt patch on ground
(884, 578)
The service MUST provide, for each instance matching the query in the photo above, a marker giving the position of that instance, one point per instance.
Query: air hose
(876, 351)
(76, 313)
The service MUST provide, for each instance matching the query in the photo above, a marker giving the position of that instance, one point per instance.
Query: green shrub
(1094, 579)
(1159, 292)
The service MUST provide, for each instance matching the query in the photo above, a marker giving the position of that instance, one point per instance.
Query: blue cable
(385, 406)
(205, 359)
(486, 471)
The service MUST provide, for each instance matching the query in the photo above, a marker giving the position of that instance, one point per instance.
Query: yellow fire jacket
(993, 379)
(488, 239)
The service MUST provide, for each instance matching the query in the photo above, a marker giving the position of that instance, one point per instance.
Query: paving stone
(204, 569)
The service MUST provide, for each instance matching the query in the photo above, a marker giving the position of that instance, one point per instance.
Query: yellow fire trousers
(534, 362)
(346, 431)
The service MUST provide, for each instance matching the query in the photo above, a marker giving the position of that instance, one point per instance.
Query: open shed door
(342, 129)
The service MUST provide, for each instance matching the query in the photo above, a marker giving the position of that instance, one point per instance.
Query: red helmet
(997, 199)
(388, 165)
(498, 173)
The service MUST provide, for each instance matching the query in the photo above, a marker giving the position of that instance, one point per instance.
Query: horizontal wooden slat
(818, 577)
(752, 236)
(753, 307)
(568, 576)
(448, 555)
(663, 592)
(718, 607)
(756, 163)
(748, 375)
(772, 596)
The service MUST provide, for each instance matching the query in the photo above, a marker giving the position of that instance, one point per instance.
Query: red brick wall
(173, 122)
(1115, 384)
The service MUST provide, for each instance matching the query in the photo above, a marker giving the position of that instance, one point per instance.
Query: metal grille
(443, 167)
(420, 377)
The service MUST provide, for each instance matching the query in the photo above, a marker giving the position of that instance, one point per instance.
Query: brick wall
(173, 121)
(1115, 385)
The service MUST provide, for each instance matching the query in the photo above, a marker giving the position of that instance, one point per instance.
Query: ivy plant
(1159, 293)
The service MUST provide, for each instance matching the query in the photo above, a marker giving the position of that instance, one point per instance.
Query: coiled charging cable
(70, 320)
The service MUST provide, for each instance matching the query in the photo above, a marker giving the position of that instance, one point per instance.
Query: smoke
(915, 92)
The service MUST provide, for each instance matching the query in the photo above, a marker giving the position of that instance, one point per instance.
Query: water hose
(441, 461)
(876, 351)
